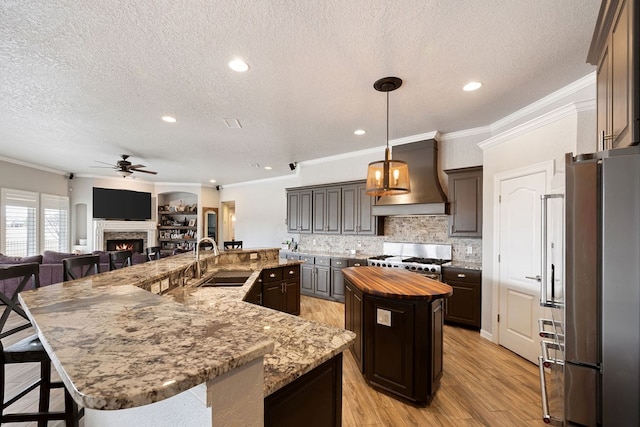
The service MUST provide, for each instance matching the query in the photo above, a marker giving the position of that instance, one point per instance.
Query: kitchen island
(398, 319)
(118, 346)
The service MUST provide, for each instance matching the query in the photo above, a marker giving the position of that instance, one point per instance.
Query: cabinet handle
(282, 287)
(291, 272)
(604, 138)
(357, 264)
(462, 275)
(272, 275)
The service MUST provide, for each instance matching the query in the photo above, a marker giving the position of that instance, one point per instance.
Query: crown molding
(570, 109)
(33, 166)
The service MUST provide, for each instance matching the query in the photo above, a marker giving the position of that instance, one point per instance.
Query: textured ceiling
(82, 82)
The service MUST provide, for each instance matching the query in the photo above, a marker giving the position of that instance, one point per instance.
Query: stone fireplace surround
(145, 230)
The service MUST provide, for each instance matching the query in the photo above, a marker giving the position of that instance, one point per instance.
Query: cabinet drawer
(356, 262)
(320, 260)
(338, 262)
(290, 272)
(454, 274)
(308, 259)
(272, 275)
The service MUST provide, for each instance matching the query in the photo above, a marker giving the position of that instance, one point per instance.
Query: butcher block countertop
(396, 284)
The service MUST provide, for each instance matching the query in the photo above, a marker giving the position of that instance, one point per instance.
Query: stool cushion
(29, 349)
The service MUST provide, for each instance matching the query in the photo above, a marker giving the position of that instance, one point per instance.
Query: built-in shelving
(177, 227)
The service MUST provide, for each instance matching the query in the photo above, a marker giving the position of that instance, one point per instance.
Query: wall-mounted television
(109, 203)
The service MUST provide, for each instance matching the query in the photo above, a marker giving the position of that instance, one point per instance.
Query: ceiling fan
(124, 167)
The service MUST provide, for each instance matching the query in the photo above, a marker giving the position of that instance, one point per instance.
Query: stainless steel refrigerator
(601, 331)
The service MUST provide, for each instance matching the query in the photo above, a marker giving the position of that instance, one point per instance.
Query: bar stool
(153, 253)
(233, 244)
(29, 350)
(119, 259)
(80, 266)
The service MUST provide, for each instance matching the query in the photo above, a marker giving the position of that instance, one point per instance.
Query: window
(31, 223)
(55, 223)
(19, 222)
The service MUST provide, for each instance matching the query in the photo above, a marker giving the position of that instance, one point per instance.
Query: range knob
(433, 269)
(384, 265)
(406, 267)
(413, 268)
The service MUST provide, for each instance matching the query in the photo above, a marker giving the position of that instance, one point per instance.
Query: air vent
(254, 165)
(233, 123)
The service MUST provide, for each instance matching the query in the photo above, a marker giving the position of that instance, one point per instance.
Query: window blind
(55, 222)
(19, 222)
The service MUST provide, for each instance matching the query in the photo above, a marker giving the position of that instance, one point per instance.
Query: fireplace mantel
(100, 226)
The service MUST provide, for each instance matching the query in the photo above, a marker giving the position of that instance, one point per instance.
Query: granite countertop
(464, 264)
(118, 346)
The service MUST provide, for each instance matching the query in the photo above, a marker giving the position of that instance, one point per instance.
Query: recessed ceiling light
(268, 168)
(169, 119)
(238, 65)
(472, 86)
(360, 132)
(212, 181)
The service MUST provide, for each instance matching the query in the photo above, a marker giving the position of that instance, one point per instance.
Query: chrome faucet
(215, 252)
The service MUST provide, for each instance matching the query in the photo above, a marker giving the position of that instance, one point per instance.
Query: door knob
(536, 278)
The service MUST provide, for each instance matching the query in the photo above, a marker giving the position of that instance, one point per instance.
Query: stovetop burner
(381, 257)
(426, 260)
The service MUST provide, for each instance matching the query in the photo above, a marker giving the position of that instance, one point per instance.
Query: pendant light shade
(388, 177)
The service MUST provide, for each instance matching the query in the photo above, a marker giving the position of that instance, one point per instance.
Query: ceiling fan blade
(136, 166)
(144, 171)
(104, 163)
(103, 167)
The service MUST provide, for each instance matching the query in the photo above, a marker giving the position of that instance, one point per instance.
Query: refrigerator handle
(546, 416)
(544, 300)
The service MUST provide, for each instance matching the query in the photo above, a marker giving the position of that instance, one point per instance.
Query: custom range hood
(426, 197)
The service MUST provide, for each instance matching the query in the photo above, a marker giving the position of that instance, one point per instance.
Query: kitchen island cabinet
(398, 319)
(121, 349)
(464, 306)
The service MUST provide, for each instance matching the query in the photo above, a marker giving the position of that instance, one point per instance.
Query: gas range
(422, 258)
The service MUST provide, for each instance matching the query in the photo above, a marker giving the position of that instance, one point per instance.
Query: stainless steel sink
(227, 278)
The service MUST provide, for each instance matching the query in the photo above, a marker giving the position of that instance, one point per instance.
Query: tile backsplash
(410, 229)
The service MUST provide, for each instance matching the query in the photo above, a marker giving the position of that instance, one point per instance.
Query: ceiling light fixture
(388, 177)
(125, 173)
(212, 181)
(169, 119)
(268, 168)
(471, 86)
(238, 65)
(360, 132)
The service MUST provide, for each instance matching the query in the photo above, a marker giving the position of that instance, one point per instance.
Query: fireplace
(124, 230)
(133, 245)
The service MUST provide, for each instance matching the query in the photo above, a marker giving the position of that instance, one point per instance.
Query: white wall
(548, 137)
(23, 177)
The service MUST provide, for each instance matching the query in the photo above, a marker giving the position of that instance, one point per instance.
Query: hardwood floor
(483, 384)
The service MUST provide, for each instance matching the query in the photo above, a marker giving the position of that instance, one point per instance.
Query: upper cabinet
(357, 212)
(327, 211)
(299, 211)
(342, 208)
(465, 198)
(615, 52)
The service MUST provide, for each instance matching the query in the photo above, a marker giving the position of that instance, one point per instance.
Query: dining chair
(233, 244)
(153, 253)
(119, 259)
(80, 266)
(27, 350)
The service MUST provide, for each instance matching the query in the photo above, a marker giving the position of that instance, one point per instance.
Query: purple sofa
(51, 267)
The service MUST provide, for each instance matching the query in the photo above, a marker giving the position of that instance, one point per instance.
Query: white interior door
(519, 258)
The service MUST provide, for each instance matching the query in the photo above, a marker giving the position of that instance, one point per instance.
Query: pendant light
(388, 177)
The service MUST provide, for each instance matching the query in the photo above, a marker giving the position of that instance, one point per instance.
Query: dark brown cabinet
(314, 399)
(327, 210)
(357, 215)
(353, 318)
(299, 203)
(281, 289)
(464, 306)
(615, 52)
(465, 199)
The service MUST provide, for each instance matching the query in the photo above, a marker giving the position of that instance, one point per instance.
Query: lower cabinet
(322, 276)
(314, 399)
(464, 306)
(353, 317)
(281, 289)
